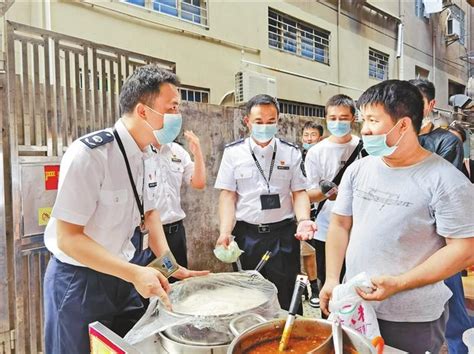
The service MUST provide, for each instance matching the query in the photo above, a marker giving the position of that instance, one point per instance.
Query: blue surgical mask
(307, 146)
(263, 132)
(376, 145)
(171, 127)
(339, 128)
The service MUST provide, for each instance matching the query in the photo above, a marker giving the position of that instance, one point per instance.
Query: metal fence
(56, 88)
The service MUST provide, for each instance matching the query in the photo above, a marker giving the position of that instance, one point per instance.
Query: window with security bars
(378, 65)
(193, 94)
(459, 15)
(301, 109)
(194, 11)
(296, 37)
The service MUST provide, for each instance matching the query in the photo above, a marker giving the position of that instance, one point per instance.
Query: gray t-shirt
(400, 218)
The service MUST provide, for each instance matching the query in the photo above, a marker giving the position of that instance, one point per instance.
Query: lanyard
(134, 188)
(272, 164)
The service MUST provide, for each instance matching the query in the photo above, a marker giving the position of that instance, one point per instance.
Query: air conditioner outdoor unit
(454, 27)
(249, 84)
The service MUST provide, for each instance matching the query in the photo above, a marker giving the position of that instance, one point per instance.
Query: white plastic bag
(229, 254)
(351, 310)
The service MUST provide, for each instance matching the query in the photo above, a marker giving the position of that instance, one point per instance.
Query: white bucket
(468, 339)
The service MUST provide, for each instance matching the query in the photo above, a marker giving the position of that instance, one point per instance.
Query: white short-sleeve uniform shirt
(238, 173)
(174, 165)
(95, 191)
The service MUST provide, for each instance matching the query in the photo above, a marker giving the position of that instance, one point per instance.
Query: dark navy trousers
(458, 320)
(76, 296)
(284, 263)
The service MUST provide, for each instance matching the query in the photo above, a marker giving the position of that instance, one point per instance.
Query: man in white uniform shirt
(324, 161)
(174, 166)
(107, 189)
(263, 188)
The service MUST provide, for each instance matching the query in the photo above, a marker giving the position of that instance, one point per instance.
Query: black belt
(172, 227)
(267, 228)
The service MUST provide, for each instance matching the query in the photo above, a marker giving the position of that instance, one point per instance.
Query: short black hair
(398, 98)
(261, 99)
(457, 127)
(426, 88)
(341, 100)
(314, 125)
(143, 85)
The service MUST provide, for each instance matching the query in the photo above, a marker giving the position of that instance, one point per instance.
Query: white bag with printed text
(352, 311)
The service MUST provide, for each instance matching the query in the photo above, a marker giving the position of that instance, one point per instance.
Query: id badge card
(270, 201)
(144, 237)
(166, 264)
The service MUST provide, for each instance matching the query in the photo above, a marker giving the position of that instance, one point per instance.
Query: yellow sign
(98, 347)
(43, 216)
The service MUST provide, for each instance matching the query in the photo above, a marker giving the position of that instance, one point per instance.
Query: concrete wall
(216, 126)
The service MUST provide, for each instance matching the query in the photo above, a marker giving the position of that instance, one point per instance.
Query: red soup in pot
(296, 345)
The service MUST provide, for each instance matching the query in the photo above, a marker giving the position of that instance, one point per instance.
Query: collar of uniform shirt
(131, 147)
(254, 145)
(164, 148)
(149, 151)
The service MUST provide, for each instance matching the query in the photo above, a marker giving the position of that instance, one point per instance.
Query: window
(421, 73)
(459, 15)
(378, 65)
(301, 109)
(293, 36)
(194, 94)
(455, 88)
(194, 11)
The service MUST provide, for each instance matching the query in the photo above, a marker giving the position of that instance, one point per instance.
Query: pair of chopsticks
(266, 256)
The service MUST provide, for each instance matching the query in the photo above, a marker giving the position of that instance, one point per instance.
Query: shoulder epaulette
(237, 142)
(290, 144)
(97, 139)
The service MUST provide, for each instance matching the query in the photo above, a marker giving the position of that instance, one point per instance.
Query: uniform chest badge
(282, 166)
(152, 183)
(175, 159)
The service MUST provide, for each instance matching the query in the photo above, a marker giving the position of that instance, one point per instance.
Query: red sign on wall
(51, 177)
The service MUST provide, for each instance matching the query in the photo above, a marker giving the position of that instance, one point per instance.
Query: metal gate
(55, 89)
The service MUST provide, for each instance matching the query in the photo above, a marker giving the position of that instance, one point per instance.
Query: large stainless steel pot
(188, 347)
(174, 347)
(303, 327)
(199, 335)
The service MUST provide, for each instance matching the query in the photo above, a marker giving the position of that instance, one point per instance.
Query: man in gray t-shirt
(404, 216)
